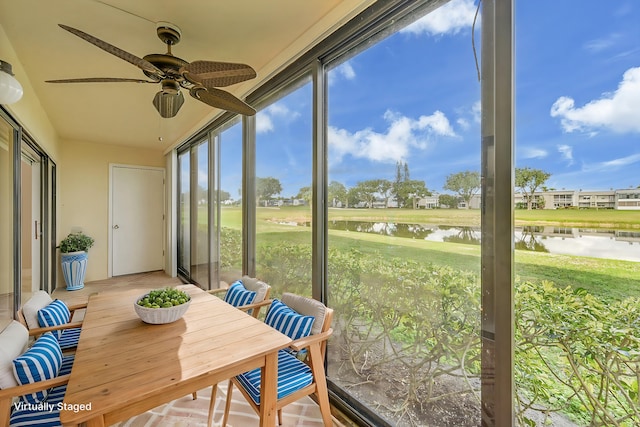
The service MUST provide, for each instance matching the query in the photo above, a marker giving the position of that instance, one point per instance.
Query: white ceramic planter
(74, 268)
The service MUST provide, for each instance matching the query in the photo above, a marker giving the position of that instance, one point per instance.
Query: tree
(202, 193)
(405, 189)
(466, 184)
(528, 180)
(448, 200)
(306, 194)
(224, 196)
(368, 190)
(337, 193)
(267, 187)
(408, 191)
(353, 196)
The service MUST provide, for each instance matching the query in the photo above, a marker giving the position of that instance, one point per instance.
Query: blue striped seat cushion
(54, 314)
(288, 321)
(292, 376)
(69, 338)
(30, 416)
(67, 364)
(41, 362)
(237, 295)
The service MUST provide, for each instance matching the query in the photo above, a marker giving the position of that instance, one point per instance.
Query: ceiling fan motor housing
(170, 86)
(169, 33)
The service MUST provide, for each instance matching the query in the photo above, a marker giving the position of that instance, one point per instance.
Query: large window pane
(283, 193)
(184, 213)
(230, 141)
(31, 223)
(200, 250)
(404, 217)
(6, 220)
(577, 233)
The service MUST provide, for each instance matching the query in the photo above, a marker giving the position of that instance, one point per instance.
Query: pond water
(592, 242)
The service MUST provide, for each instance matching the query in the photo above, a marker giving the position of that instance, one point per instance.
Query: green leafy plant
(75, 242)
(576, 353)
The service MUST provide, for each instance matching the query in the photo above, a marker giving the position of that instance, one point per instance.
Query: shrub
(75, 242)
(574, 352)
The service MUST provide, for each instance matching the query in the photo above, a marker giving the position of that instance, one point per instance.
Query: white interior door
(137, 219)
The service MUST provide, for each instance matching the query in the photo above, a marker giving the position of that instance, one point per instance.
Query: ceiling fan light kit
(10, 87)
(200, 78)
(168, 104)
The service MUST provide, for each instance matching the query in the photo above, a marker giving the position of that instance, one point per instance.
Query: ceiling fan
(200, 78)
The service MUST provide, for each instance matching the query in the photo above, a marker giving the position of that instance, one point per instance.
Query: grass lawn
(602, 277)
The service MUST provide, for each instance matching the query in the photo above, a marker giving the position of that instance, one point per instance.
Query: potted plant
(73, 251)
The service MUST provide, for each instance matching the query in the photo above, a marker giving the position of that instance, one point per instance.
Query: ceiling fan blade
(100, 80)
(217, 74)
(220, 99)
(138, 62)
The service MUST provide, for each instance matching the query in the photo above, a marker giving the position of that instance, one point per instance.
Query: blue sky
(415, 98)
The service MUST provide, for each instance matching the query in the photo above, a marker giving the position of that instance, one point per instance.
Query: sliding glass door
(7, 281)
(195, 213)
(27, 218)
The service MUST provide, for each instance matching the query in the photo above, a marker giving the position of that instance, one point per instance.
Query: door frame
(112, 167)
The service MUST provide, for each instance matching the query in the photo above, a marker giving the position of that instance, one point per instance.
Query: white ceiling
(266, 34)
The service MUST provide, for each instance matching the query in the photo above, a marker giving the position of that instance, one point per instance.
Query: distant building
(626, 199)
(597, 199)
(428, 202)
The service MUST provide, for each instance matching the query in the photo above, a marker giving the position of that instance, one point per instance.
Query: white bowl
(159, 316)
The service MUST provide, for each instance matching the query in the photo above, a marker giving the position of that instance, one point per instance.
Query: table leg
(95, 422)
(269, 390)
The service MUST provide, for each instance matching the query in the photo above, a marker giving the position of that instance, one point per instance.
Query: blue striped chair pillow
(288, 321)
(237, 295)
(41, 362)
(54, 314)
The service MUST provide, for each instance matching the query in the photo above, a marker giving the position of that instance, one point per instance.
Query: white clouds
(264, 118)
(618, 111)
(402, 134)
(468, 115)
(476, 110)
(532, 153)
(611, 165)
(566, 151)
(344, 70)
(451, 18)
(597, 45)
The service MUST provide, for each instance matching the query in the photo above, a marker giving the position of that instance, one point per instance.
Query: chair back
(261, 289)
(14, 339)
(28, 314)
(310, 307)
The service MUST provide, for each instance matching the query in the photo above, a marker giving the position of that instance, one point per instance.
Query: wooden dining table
(124, 367)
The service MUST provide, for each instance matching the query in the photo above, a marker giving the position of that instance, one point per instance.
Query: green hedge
(574, 353)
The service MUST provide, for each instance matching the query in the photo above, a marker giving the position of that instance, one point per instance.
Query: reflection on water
(592, 242)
